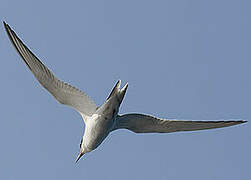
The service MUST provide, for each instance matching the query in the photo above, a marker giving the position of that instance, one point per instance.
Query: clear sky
(187, 59)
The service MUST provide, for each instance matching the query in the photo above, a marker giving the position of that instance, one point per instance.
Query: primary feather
(63, 92)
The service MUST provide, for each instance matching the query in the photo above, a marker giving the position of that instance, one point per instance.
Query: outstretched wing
(140, 123)
(63, 92)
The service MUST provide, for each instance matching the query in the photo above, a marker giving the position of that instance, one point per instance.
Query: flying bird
(101, 120)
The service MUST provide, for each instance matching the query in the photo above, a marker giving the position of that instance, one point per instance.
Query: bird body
(100, 121)
(103, 121)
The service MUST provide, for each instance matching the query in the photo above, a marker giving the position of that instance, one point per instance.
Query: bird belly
(96, 131)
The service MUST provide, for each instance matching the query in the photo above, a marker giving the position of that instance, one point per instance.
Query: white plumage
(100, 121)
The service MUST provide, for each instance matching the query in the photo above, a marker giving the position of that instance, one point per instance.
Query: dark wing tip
(5, 25)
(242, 121)
(8, 29)
(236, 122)
(233, 121)
(15, 41)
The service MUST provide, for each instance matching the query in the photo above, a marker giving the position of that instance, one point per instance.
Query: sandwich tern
(101, 120)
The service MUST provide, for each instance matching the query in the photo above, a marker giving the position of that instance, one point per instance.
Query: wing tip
(235, 122)
(6, 26)
(242, 121)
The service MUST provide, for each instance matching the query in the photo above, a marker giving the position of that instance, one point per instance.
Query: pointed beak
(79, 156)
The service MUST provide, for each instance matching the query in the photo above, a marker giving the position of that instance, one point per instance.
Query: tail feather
(122, 92)
(115, 89)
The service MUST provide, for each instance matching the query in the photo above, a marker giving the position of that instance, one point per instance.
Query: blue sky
(182, 59)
